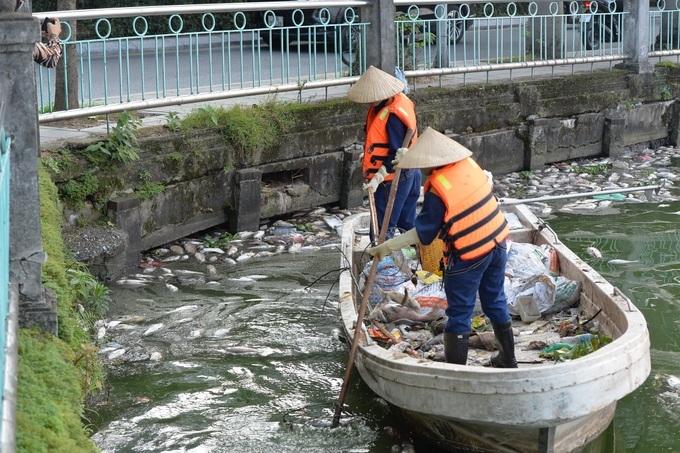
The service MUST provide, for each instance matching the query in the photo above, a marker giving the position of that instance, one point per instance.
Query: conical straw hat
(433, 149)
(373, 86)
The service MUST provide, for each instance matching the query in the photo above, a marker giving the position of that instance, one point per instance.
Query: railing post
(636, 36)
(380, 42)
(18, 35)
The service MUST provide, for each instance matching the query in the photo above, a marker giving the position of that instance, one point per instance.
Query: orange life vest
(377, 143)
(473, 223)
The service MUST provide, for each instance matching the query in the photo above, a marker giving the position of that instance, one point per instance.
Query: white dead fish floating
(116, 354)
(622, 262)
(152, 329)
(171, 288)
(131, 283)
(213, 250)
(245, 257)
(186, 272)
(239, 350)
(595, 253)
(184, 308)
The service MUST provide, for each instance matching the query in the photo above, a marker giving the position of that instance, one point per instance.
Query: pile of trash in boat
(406, 311)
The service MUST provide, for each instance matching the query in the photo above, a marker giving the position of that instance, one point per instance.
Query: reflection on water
(646, 235)
(239, 359)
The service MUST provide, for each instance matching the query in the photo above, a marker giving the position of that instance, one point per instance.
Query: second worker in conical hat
(390, 129)
(460, 208)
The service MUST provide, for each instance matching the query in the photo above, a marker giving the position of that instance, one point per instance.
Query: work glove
(396, 243)
(399, 155)
(376, 180)
(51, 26)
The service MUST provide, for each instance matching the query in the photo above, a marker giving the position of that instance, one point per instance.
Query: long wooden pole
(364, 302)
(374, 214)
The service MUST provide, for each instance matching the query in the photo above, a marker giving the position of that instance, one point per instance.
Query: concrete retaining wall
(510, 126)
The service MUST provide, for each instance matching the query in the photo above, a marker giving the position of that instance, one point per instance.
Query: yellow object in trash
(431, 256)
(428, 277)
(478, 322)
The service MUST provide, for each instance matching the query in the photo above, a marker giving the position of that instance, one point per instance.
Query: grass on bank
(55, 374)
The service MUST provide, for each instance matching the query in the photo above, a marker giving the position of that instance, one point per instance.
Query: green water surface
(205, 396)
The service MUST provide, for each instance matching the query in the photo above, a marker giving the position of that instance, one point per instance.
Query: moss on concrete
(55, 374)
(49, 407)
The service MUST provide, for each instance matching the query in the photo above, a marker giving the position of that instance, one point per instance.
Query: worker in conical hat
(459, 207)
(390, 129)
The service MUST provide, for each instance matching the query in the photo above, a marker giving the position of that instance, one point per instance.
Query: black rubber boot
(505, 358)
(456, 347)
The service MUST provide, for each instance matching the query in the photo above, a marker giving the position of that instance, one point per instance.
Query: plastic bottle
(578, 339)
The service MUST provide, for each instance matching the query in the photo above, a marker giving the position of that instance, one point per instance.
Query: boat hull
(469, 437)
(556, 407)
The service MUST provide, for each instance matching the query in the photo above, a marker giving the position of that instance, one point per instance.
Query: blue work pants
(405, 202)
(462, 281)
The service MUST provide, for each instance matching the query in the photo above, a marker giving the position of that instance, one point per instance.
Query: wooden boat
(547, 407)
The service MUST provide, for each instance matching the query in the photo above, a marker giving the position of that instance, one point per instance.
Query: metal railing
(265, 48)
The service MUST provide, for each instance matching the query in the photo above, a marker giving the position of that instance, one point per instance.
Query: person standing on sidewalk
(460, 208)
(390, 129)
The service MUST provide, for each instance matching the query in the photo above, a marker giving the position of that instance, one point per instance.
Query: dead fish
(619, 262)
(242, 280)
(220, 332)
(172, 258)
(130, 283)
(245, 257)
(240, 350)
(152, 329)
(171, 288)
(184, 308)
(595, 253)
(401, 299)
(213, 250)
(211, 270)
(393, 312)
(116, 354)
(186, 272)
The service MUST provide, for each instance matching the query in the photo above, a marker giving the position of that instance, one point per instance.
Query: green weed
(173, 122)
(76, 191)
(92, 295)
(121, 145)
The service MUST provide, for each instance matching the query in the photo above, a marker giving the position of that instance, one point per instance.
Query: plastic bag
(527, 260)
(540, 287)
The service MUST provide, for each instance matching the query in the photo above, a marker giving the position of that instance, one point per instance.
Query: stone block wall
(510, 126)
